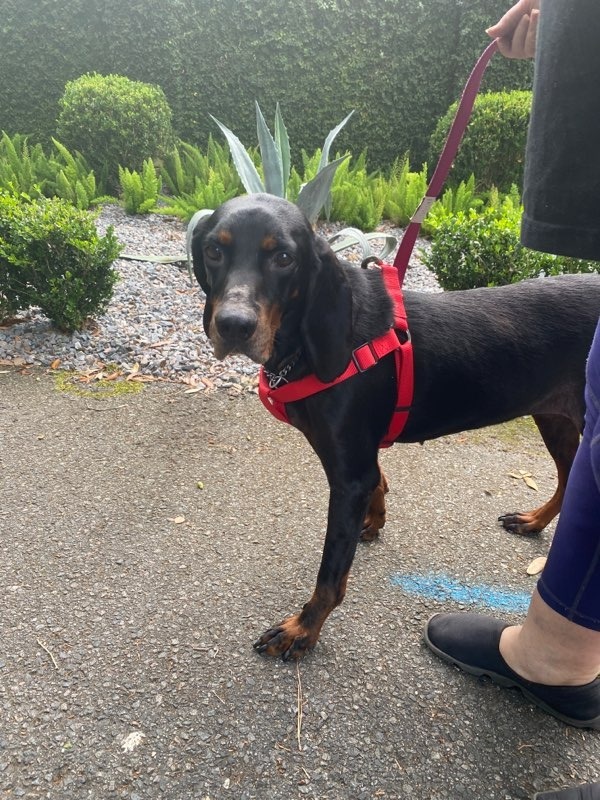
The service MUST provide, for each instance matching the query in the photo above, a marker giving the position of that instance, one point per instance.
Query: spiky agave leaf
(243, 163)
(325, 156)
(271, 157)
(283, 145)
(329, 140)
(204, 212)
(314, 194)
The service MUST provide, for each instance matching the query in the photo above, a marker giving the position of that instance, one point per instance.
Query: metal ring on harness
(364, 264)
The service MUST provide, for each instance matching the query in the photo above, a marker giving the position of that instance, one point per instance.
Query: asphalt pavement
(148, 539)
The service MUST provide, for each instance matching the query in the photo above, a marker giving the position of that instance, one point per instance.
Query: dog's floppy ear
(327, 321)
(196, 229)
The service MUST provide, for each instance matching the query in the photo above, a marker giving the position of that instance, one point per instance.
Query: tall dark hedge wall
(399, 63)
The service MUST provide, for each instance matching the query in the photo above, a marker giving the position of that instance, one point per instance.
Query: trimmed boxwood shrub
(476, 249)
(113, 120)
(51, 256)
(493, 147)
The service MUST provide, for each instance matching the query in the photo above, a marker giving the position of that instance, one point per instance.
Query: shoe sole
(508, 683)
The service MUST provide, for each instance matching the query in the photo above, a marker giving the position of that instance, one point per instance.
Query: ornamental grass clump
(140, 191)
(28, 169)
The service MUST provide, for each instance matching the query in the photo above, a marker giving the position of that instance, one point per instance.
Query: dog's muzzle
(236, 329)
(235, 325)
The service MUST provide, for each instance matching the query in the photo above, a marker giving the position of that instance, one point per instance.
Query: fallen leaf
(55, 364)
(537, 565)
(525, 476)
(194, 390)
(130, 742)
(133, 372)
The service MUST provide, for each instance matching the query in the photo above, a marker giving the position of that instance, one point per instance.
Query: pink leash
(449, 151)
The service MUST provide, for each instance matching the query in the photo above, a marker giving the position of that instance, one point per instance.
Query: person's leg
(554, 657)
(559, 642)
(550, 649)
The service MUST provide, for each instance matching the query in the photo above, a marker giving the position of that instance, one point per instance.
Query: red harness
(396, 340)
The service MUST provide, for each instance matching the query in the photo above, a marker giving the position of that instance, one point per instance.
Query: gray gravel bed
(154, 319)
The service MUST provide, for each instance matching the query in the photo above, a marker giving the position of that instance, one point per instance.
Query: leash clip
(277, 379)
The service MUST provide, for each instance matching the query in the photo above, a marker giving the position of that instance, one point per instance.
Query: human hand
(516, 31)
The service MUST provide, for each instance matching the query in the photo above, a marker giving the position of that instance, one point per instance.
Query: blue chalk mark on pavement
(439, 586)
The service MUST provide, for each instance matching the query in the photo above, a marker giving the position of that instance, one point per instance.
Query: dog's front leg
(348, 503)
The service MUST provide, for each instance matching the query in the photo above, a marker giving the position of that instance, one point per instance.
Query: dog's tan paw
(290, 639)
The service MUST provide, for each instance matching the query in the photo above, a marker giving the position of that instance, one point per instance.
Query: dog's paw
(290, 639)
(520, 524)
(370, 531)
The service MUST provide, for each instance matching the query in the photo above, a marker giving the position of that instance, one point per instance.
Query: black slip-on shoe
(472, 642)
(587, 791)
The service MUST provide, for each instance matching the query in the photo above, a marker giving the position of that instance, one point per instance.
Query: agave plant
(276, 164)
(276, 167)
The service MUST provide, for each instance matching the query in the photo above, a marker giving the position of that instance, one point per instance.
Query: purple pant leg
(570, 583)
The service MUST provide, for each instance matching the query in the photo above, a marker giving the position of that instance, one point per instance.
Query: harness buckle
(363, 364)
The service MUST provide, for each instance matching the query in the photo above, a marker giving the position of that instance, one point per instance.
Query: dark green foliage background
(399, 63)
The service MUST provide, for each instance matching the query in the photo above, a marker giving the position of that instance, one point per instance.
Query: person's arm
(516, 31)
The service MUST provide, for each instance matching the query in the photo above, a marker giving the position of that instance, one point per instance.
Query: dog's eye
(213, 253)
(283, 259)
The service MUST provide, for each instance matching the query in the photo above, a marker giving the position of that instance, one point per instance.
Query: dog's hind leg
(561, 437)
(375, 517)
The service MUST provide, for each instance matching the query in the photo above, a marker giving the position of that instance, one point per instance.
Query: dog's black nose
(235, 324)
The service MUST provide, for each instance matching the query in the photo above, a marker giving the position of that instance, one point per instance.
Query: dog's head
(272, 287)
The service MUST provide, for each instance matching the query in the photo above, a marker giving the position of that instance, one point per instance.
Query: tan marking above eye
(225, 237)
(269, 243)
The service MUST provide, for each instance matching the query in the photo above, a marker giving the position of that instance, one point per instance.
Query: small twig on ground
(300, 701)
(43, 646)
(108, 408)
(220, 699)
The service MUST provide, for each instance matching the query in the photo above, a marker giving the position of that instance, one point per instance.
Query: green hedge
(400, 64)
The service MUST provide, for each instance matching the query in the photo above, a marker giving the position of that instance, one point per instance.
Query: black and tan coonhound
(276, 293)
